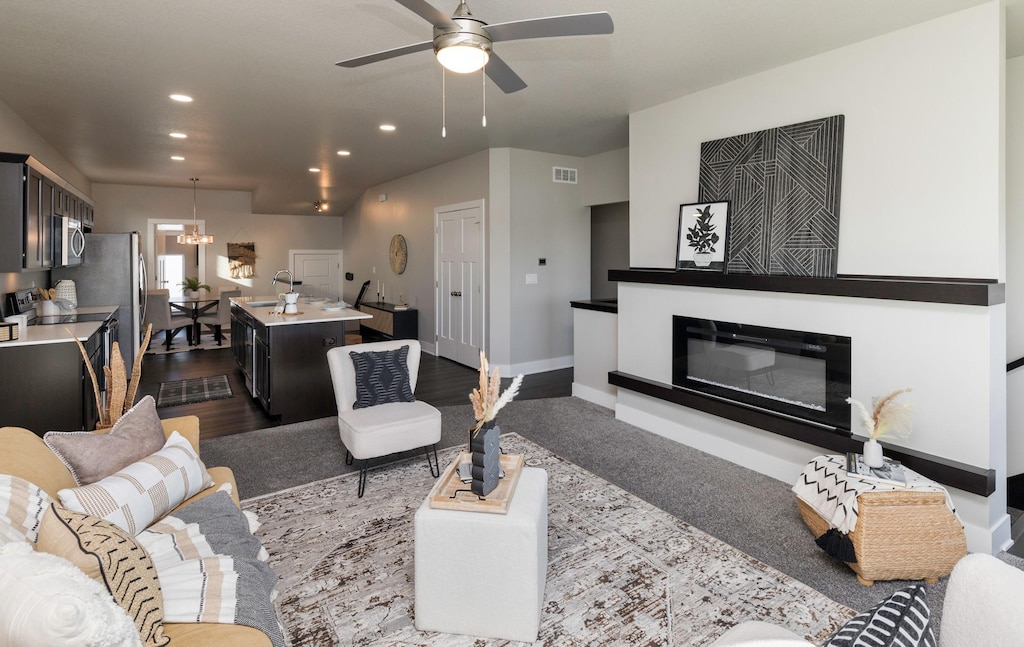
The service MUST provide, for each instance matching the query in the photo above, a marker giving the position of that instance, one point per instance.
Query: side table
(898, 533)
(483, 574)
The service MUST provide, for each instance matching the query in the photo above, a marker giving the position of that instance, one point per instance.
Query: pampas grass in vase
(887, 420)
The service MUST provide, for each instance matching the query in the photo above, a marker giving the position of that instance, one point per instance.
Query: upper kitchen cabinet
(34, 202)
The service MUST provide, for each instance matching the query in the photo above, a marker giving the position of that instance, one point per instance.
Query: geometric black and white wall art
(783, 185)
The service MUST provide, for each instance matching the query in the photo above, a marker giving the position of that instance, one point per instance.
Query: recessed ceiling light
(344, 153)
(313, 169)
(388, 128)
(183, 98)
(179, 135)
(177, 158)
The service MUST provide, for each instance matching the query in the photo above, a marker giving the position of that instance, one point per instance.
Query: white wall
(225, 214)
(922, 182)
(604, 178)
(1015, 263)
(548, 221)
(409, 210)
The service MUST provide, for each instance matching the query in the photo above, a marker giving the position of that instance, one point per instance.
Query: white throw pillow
(145, 491)
(45, 600)
(22, 506)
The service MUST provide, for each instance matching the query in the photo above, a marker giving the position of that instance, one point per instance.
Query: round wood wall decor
(399, 253)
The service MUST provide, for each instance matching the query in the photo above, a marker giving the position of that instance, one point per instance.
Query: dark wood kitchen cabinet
(32, 202)
(46, 387)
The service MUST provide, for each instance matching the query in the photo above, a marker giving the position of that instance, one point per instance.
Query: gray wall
(609, 247)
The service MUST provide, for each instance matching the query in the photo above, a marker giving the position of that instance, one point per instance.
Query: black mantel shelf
(961, 476)
(969, 292)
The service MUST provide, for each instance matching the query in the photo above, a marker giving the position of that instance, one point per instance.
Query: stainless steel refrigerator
(113, 273)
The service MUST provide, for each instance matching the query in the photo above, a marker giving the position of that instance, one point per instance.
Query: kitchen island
(284, 357)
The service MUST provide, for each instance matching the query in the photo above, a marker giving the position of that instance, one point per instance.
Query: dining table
(194, 307)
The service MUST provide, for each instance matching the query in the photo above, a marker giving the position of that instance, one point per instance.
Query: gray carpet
(755, 513)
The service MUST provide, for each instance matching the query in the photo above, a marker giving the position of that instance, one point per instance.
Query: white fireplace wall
(922, 181)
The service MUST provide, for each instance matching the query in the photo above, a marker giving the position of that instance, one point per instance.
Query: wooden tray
(446, 494)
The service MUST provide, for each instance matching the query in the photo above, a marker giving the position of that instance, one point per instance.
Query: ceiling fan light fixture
(463, 59)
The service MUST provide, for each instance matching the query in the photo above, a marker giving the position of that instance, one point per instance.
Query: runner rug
(620, 571)
(192, 390)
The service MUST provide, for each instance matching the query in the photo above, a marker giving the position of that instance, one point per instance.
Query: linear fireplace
(793, 373)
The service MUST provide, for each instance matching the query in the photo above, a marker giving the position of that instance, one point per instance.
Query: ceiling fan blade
(427, 12)
(386, 54)
(580, 24)
(503, 76)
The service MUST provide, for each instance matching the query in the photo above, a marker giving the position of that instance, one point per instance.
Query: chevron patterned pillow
(901, 620)
(112, 557)
(382, 377)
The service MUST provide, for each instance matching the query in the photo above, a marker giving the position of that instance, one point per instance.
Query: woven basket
(8, 331)
(900, 535)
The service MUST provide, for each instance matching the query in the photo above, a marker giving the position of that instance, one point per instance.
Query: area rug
(192, 390)
(620, 571)
(180, 345)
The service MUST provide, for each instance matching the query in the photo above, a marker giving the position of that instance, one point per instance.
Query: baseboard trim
(590, 394)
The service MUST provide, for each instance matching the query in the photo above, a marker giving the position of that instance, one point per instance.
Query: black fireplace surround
(796, 374)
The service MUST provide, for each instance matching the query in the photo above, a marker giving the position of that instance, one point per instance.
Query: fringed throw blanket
(212, 569)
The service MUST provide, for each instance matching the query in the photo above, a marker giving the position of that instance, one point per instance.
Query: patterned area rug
(207, 342)
(620, 571)
(192, 390)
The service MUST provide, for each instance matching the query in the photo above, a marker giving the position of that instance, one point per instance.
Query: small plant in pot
(702, 237)
(192, 286)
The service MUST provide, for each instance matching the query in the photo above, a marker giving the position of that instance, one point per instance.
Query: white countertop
(309, 312)
(58, 333)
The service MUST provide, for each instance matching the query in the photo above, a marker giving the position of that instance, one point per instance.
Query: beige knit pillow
(93, 456)
(113, 558)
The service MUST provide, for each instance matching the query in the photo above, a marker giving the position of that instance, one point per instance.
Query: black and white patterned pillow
(382, 377)
(901, 620)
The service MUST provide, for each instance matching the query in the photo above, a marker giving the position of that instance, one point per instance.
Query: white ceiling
(93, 78)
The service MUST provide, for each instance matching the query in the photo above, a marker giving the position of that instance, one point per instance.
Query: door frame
(151, 224)
(292, 253)
(484, 270)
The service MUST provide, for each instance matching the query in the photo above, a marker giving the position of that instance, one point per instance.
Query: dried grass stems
(888, 419)
(120, 392)
(487, 398)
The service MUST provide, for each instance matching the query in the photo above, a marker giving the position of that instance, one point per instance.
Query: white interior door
(460, 282)
(319, 271)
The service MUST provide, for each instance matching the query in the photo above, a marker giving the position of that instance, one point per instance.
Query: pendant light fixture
(194, 237)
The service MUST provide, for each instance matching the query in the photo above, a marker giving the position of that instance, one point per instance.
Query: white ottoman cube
(483, 574)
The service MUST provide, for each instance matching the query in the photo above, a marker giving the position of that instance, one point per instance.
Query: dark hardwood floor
(441, 383)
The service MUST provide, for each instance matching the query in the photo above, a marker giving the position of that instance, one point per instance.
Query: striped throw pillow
(145, 491)
(901, 620)
(22, 506)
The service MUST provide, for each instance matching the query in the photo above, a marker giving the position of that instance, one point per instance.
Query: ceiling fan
(462, 43)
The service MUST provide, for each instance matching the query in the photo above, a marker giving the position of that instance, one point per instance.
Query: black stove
(67, 318)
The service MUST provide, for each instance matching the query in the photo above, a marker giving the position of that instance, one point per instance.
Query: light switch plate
(531, 279)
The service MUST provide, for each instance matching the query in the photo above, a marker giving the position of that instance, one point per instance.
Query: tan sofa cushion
(24, 454)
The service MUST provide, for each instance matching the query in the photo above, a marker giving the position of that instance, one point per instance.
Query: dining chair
(220, 318)
(378, 415)
(158, 313)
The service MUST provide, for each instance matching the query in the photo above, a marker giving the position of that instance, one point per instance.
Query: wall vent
(563, 175)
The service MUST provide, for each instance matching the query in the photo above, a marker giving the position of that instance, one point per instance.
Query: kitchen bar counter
(56, 333)
(284, 357)
(308, 312)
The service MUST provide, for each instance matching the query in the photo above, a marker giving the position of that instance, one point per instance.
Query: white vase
(872, 453)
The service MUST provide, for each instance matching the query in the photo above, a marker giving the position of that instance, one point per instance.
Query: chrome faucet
(290, 280)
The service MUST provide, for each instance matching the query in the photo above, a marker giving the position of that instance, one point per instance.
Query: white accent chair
(220, 318)
(384, 429)
(158, 313)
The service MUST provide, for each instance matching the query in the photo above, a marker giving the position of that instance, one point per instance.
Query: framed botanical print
(703, 234)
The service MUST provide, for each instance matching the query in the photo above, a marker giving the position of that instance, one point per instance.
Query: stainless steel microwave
(69, 243)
